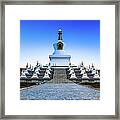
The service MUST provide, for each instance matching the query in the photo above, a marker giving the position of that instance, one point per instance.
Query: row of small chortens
(36, 71)
(83, 71)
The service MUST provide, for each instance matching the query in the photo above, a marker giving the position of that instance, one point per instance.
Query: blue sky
(81, 38)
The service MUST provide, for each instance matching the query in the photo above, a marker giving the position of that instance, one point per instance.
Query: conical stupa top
(27, 65)
(92, 65)
(30, 65)
(37, 63)
(59, 34)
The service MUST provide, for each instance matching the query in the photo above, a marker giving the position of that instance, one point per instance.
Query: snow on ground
(69, 91)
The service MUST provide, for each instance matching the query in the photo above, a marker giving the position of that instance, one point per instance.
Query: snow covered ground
(69, 91)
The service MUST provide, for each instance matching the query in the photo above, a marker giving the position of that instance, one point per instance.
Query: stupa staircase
(59, 76)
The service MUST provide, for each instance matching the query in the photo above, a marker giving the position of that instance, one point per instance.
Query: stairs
(59, 76)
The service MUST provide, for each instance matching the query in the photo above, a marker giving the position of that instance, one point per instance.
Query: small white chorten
(35, 76)
(46, 76)
(96, 76)
(73, 76)
(26, 72)
(23, 76)
(85, 76)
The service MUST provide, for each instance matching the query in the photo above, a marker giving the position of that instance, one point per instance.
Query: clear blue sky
(81, 38)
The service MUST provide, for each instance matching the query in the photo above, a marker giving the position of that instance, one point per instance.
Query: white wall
(60, 61)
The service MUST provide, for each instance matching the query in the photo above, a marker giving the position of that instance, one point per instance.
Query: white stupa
(59, 57)
(96, 76)
(85, 76)
(46, 76)
(35, 76)
(26, 72)
(73, 76)
(23, 76)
